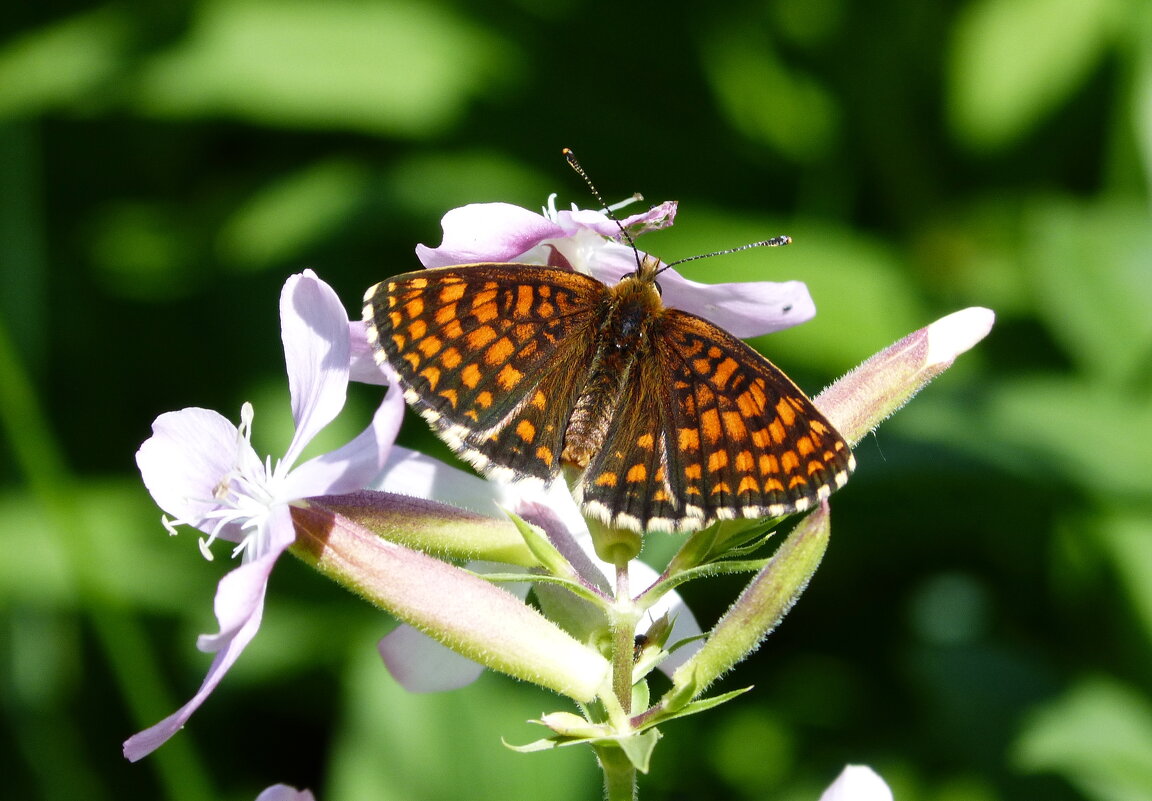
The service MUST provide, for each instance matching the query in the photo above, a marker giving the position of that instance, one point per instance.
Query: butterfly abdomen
(632, 309)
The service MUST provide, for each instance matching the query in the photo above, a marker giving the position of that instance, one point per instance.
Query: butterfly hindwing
(747, 441)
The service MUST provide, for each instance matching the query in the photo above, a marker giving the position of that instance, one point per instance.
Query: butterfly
(667, 422)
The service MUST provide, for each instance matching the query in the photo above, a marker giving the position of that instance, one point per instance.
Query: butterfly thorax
(632, 308)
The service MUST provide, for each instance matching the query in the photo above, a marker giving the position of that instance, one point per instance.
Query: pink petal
(317, 352)
(354, 465)
(422, 665)
(282, 792)
(478, 232)
(363, 367)
(242, 629)
(183, 461)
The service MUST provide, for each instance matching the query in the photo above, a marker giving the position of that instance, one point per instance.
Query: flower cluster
(453, 557)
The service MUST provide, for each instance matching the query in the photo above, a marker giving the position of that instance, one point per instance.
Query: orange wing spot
(734, 425)
(470, 376)
(786, 411)
(759, 397)
(413, 360)
(431, 375)
(789, 461)
(452, 329)
(748, 484)
(660, 496)
(500, 351)
(508, 377)
(484, 399)
(396, 318)
(796, 403)
(818, 427)
(451, 396)
(399, 341)
(539, 400)
(391, 298)
(485, 296)
(776, 429)
(485, 313)
(481, 337)
(430, 346)
(710, 425)
(645, 441)
(717, 461)
(772, 485)
(526, 430)
(746, 403)
(545, 455)
(452, 291)
(761, 438)
(607, 480)
(718, 488)
(715, 352)
(417, 283)
(525, 298)
(723, 372)
(693, 472)
(804, 446)
(745, 462)
(545, 309)
(702, 366)
(414, 308)
(797, 481)
(445, 313)
(451, 358)
(524, 331)
(471, 415)
(660, 473)
(637, 473)
(816, 466)
(769, 465)
(417, 329)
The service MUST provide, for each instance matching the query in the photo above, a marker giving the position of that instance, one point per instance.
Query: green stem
(623, 633)
(619, 773)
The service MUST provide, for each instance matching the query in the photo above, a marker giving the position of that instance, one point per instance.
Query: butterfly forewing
(493, 364)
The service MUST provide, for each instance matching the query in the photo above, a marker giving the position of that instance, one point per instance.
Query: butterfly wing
(733, 437)
(492, 355)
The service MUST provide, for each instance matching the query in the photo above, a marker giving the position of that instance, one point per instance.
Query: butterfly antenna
(575, 165)
(775, 241)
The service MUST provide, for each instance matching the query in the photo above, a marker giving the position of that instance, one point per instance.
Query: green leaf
(63, 64)
(702, 705)
(1014, 61)
(392, 67)
(1097, 736)
(638, 748)
(287, 216)
(1089, 268)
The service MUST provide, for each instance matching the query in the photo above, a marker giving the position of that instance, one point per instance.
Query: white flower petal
(353, 466)
(140, 745)
(185, 459)
(857, 783)
(317, 352)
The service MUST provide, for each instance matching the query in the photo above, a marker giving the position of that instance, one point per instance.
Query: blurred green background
(982, 625)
